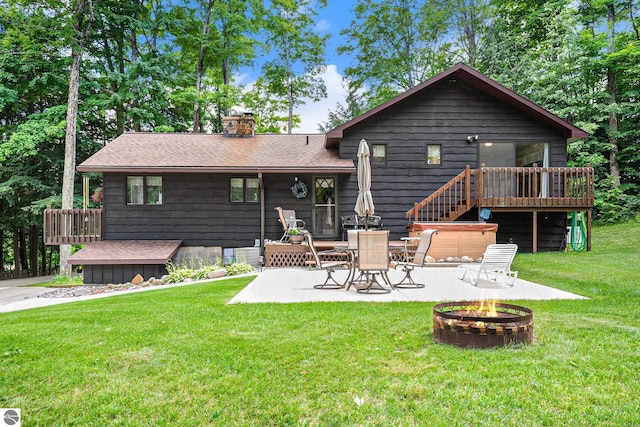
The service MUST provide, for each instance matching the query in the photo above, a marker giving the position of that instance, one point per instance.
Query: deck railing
(72, 226)
(530, 187)
(517, 188)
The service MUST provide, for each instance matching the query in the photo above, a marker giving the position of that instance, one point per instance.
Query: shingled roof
(215, 153)
(474, 79)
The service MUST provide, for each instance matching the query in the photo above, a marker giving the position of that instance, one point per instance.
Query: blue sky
(330, 20)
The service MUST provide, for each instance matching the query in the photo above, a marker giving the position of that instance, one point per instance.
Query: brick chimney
(239, 125)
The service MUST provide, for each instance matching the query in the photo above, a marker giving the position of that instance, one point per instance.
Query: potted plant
(295, 235)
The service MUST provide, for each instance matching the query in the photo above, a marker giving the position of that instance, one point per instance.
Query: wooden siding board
(105, 274)
(446, 116)
(185, 216)
(197, 211)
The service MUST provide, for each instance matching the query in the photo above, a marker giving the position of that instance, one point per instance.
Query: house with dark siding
(446, 150)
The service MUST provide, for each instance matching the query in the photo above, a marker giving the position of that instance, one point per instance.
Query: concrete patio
(293, 285)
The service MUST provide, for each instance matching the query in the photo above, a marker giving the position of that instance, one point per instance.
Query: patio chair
(328, 266)
(347, 223)
(496, 263)
(373, 260)
(287, 218)
(419, 258)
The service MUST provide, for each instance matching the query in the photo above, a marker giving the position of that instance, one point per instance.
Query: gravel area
(79, 291)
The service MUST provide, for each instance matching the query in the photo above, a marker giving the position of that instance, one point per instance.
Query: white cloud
(313, 113)
(323, 25)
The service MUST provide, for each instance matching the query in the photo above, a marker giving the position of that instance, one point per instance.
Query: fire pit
(481, 324)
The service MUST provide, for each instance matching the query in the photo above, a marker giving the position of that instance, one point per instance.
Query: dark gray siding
(449, 113)
(196, 209)
(104, 274)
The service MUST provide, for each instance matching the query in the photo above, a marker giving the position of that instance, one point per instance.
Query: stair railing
(447, 203)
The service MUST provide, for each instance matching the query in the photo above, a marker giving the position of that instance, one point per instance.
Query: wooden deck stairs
(514, 189)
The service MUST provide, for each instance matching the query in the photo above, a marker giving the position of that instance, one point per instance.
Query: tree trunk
(614, 166)
(1, 251)
(17, 263)
(43, 259)
(24, 260)
(70, 153)
(136, 88)
(33, 250)
(72, 113)
(197, 125)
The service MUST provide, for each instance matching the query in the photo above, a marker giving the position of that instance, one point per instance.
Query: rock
(429, 259)
(188, 279)
(164, 278)
(137, 280)
(450, 259)
(466, 259)
(217, 273)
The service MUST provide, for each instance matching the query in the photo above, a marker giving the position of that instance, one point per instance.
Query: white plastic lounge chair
(496, 264)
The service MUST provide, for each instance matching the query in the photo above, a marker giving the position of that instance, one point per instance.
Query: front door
(324, 208)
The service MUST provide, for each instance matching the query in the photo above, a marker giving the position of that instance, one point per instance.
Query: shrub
(200, 270)
(239, 268)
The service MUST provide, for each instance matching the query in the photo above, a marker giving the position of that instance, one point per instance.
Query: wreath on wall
(299, 190)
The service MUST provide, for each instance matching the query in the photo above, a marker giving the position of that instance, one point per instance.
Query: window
(434, 154)
(144, 190)
(379, 153)
(244, 189)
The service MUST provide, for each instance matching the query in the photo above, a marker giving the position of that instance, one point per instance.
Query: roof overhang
(215, 170)
(480, 82)
(120, 252)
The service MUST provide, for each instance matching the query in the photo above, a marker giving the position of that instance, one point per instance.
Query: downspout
(262, 212)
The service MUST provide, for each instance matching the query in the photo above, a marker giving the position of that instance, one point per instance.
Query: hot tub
(457, 239)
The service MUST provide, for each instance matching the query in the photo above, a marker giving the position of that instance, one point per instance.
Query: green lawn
(182, 357)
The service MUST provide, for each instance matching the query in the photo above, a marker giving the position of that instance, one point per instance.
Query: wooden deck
(509, 189)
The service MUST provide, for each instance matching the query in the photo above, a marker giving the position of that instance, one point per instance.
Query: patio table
(353, 253)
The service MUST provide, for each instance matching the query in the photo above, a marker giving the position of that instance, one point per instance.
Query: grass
(182, 357)
(61, 281)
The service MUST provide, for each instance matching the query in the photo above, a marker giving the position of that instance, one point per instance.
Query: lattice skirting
(285, 259)
(300, 258)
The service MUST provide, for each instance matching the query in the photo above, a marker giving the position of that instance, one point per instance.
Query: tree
(467, 20)
(298, 51)
(395, 45)
(82, 21)
(580, 61)
(214, 40)
(267, 109)
(130, 67)
(343, 113)
(32, 97)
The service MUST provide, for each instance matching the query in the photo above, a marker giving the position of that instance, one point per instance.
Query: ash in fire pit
(481, 324)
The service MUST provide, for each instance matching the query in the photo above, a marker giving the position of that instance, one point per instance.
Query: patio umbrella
(364, 203)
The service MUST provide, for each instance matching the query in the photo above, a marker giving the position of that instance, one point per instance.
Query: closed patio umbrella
(364, 203)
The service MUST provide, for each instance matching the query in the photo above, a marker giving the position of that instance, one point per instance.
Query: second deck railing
(72, 226)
